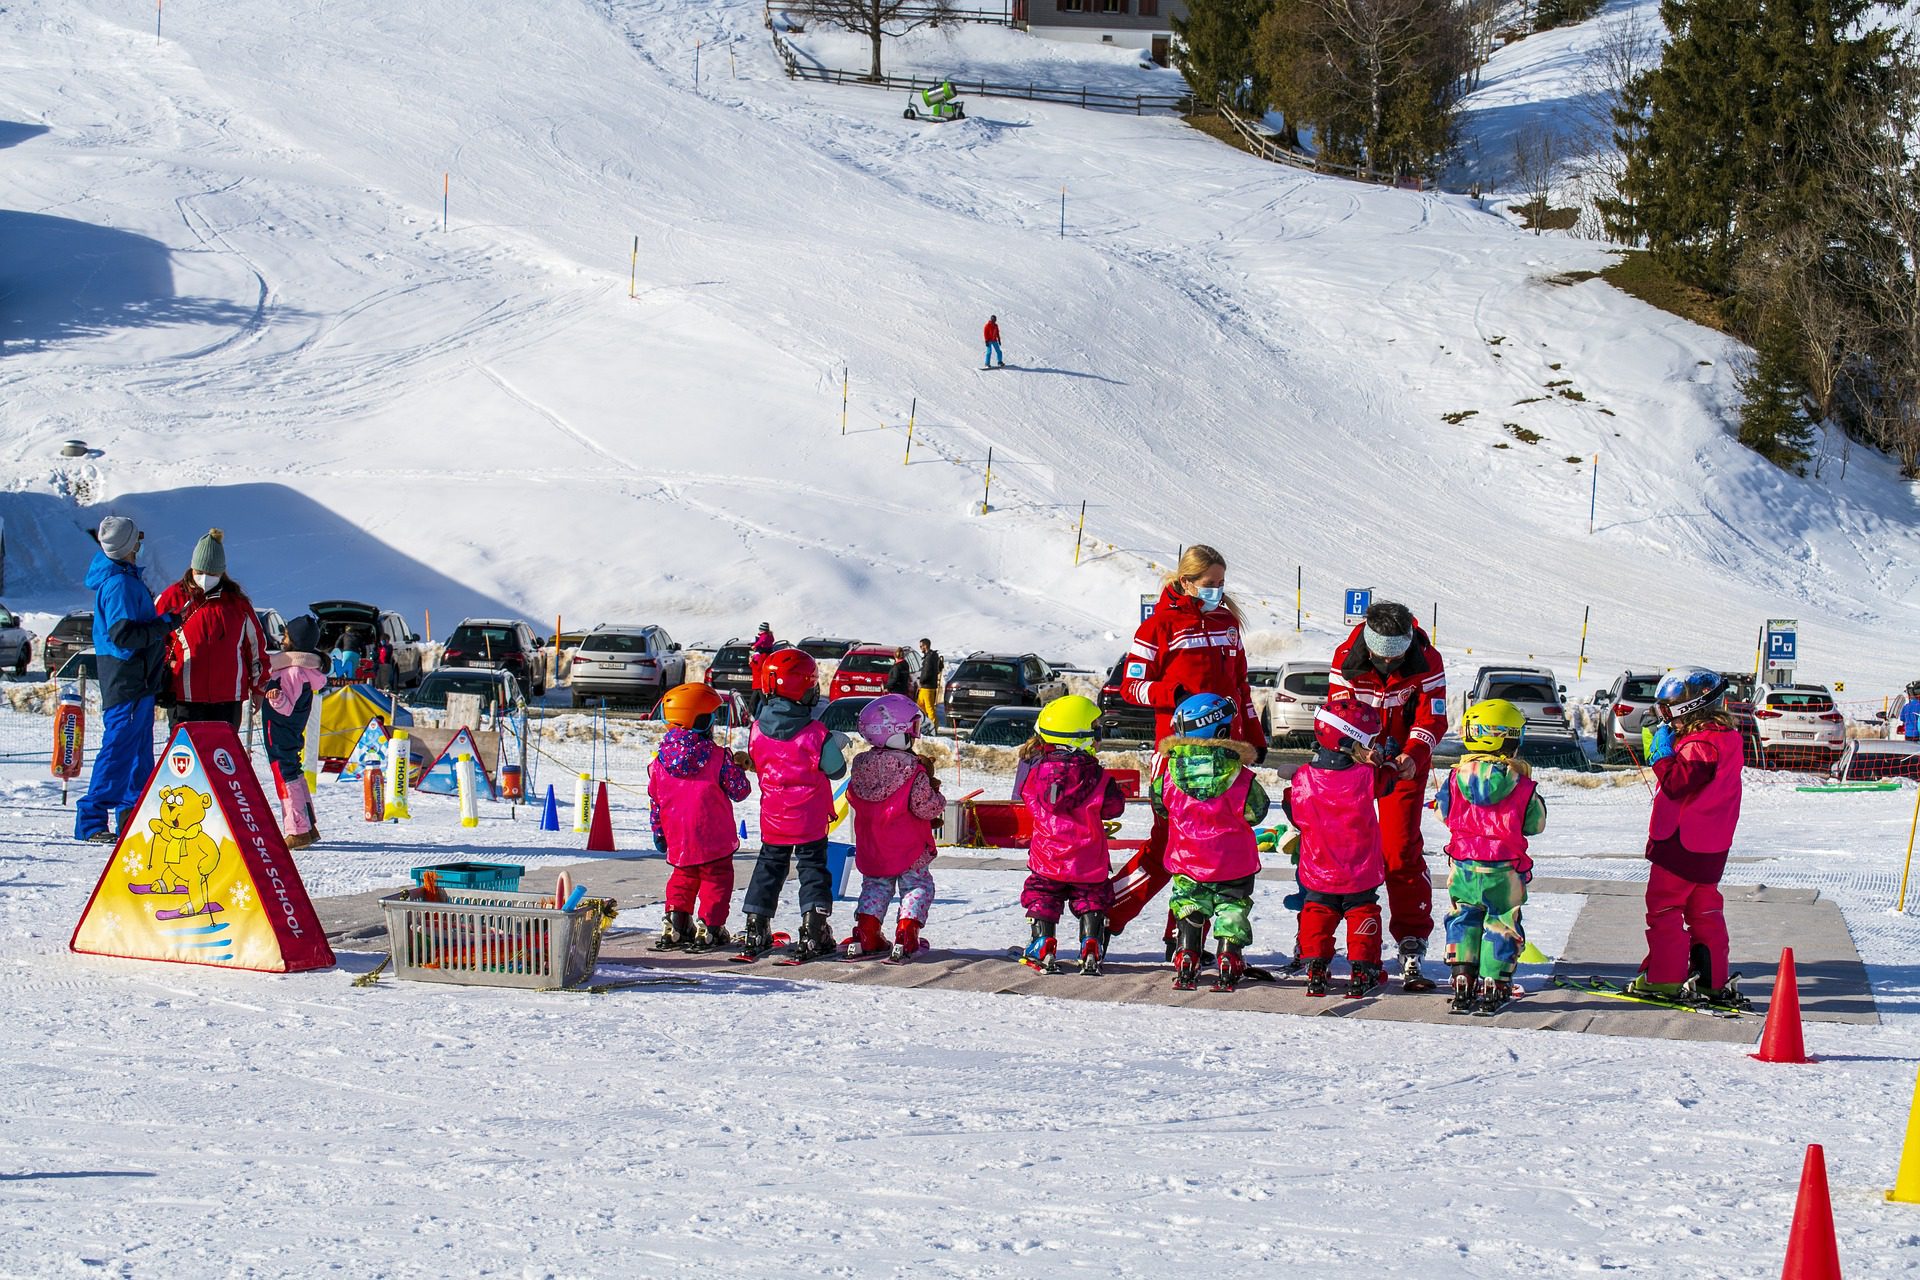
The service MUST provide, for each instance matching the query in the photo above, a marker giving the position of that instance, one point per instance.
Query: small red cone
(1781, 1040)
(600, 833)
(1812, 1253)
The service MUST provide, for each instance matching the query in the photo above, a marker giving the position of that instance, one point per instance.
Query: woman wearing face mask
(1190, 644)
(217, 658)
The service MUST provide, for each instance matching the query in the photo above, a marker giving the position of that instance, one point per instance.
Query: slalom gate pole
(1900, 906)
(1593, 502)
(633, 277)
(1063, 211)
(446, 197)
(1585, 612)
(696, 66)
(987, 492)
(845, 374)
(1299, 578)
(156, 18)
(912, 414)
(1081, 533)
(1433, 631)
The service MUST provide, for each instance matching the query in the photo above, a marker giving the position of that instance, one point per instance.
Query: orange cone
(600, 832)
(1812, 1253)
(1781, 1041)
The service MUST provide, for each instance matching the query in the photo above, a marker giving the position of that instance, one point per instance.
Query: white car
(1534, 690)
(1798, 717)
(16, 643)
(1287, 696)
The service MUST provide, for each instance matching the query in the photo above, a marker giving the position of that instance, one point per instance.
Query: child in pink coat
(1071, 799)
(295, 676)
(692, 787)
(1342, 865)
(895, 800)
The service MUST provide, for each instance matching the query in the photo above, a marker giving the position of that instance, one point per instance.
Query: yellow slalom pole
(1900, 907)
(1585, 613)
(912, 414)
(1080, 533)
(986, 492)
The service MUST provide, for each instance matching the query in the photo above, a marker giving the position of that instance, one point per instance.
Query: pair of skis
(1597, 986)
(785, 957)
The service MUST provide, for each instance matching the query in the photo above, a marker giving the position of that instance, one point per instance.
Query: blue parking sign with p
(1359, 599)
(1781, 647)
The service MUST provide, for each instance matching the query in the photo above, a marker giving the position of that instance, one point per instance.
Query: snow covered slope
(228, 276)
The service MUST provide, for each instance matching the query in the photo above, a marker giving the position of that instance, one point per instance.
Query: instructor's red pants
(1409, 890)
(1143, 877)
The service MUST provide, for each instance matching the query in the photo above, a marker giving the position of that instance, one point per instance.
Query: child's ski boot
(756, 939)
(1187, 955)
(1364, 979)
(1232, 967)
(1041, 948)
(1412, 978)
(1093, 942)
(675, 932)
(1319, 974)
(865, 940)
(906, 941)
(815, 940)
(1495, 995)
(1466, 989)
(706, 938)
(1727, 997)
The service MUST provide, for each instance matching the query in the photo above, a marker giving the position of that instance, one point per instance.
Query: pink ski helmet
(1343, 720)
(890, 720)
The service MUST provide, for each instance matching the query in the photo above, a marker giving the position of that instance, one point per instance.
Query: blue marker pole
(1593, 503)
(1063, 211)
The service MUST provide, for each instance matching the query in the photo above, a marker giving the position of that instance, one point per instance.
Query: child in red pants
(1331, 800)
(1695, 754)
(692, 786)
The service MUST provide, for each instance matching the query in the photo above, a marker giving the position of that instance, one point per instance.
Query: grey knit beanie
(119, 537)
(210, 554)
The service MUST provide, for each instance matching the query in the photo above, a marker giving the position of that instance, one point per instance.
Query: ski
(778, 941)
(183, 915)
(1613, 991)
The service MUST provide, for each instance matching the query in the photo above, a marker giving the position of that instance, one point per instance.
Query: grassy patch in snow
(1216, 127)
(1538, 215)
(1638, 274)
(1523, 435)
(1458, 416)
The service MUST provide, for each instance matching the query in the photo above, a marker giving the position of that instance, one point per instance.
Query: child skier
(294, 676)
(692, 787)
(895, 799)
(796, 759)
(1071, 799)
(1211, 802)
(1490, 806)
(1695, 753)
(1342, 865)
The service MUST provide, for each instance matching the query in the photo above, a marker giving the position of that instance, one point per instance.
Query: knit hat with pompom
(210, 554)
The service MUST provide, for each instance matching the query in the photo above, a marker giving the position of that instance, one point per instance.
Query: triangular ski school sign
(442, 778)
(201, 875)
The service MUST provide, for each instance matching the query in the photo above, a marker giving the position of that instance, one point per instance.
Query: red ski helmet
(1343, 720)
(788, 673)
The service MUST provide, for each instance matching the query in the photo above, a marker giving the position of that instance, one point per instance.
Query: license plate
(1792, 734)
(978, 696)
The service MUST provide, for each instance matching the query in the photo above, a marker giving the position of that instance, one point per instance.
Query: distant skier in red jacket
(993, 344)
(1389, 663)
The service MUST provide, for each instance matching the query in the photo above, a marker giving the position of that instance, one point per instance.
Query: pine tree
(1773, 419)
(1213, 48)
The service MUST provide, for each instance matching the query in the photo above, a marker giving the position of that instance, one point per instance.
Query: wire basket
(484, 938)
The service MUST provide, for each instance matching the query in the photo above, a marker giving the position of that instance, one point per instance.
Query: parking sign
(1359, 599)
(1783, 641)
(1146, 606)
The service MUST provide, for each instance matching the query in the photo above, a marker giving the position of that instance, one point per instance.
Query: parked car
(987, 680)
(863, 670)
(1287, 696)
(499, 690)
(16, 643)
(273, 628)
(1739, 702)
(1798, 717)
(731, 670)
(385, 628)
(72, 634)
(499, 644)
(1532, 689)
(842, 715)
(626, 661)
(1121, 720)
(1005, 727)
(1621, 711)
(827, 648)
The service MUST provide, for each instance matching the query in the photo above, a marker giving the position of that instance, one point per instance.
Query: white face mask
(206, 581)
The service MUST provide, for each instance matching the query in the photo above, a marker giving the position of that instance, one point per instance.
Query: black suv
(72, 634)
(389, 651)
(499, 644)
(1121, 720)
(731, 670)
(987, 680)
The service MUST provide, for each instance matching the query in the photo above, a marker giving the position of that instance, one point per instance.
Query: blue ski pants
(993, 354)
(120, 768)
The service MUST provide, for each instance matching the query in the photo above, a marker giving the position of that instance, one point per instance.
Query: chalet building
(1131, 24)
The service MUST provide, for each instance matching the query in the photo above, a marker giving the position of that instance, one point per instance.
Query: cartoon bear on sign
(181, 856)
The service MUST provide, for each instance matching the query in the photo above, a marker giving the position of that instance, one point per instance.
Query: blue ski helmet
(1203, 715)
(1687, 690)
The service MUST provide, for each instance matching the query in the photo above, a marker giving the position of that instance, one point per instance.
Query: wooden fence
(1266, 147)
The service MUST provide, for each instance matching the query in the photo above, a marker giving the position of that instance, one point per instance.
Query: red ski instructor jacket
(1182, 646)
(1412, 700)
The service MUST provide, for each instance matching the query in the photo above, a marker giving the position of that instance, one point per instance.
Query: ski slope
(234, 285)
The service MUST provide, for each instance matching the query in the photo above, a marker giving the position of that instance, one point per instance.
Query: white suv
(1287, 696)
(1798, 717)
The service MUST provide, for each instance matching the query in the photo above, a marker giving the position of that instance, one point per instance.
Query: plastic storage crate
(502, 876)
(481, 937)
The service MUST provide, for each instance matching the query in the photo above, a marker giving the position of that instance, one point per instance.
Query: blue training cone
(550, 818)
(743, 828)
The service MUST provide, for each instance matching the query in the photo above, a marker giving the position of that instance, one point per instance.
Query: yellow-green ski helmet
(1069, 722)
(1492, 727)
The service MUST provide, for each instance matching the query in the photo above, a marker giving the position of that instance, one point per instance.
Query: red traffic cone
(1781, 1040)
(1812, 1253)
(600, 832)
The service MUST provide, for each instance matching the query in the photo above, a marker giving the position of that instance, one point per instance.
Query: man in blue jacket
(1909, 714)
(130, 641)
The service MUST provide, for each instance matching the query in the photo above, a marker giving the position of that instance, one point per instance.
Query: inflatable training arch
(201, 874)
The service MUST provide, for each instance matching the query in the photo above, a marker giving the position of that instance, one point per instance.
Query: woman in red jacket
(1189, 644)
(217, 658)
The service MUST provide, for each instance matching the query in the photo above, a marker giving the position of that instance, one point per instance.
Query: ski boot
(1412, 952)
(1495, 995)
(1173, 936)
(1696, 991)
(1466, 982)
(1040, 949)
(675, 932)
(756, 938)
(1232, 967)
(1187, 955)
(906, 940)
(865, 939)
(1319, 974)
(1674, 992)
(1296, 964)
(707, 937)
(1365, 978)
(816, 937)
(1093, 942)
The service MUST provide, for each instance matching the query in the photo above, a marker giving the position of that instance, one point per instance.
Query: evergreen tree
(1773, 419)
(1213, 48)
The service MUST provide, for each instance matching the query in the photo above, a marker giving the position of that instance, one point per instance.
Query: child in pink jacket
(692, 787)
(1211, 801)
(295, 676)
(1696, 756)
(895, 799)
(1342, 866)
(1071, 798)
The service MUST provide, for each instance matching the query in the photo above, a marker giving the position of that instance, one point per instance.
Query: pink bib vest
(887, 838)
(796, 799)
(1210, 840)
(696, 813)
(1490, 833)
(1340, 848)
(1069, 844)
(1704, 822)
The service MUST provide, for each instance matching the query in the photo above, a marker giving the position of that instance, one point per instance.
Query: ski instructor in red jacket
(1389, 663)
(1189, 644)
